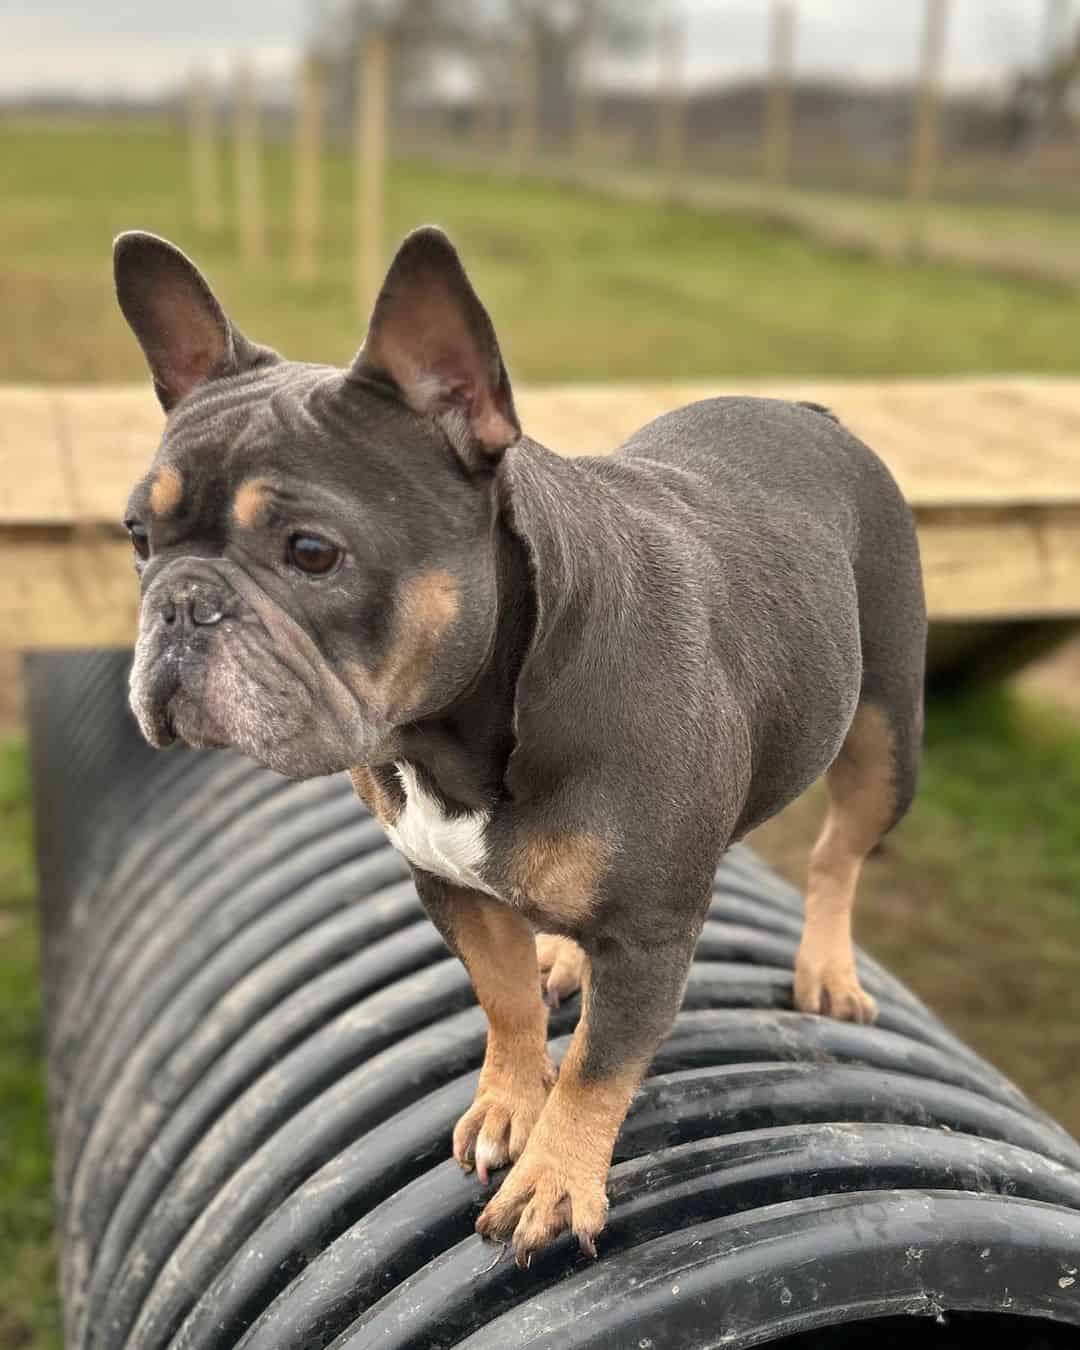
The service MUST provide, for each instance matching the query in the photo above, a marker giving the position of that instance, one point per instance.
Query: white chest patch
(451, 847)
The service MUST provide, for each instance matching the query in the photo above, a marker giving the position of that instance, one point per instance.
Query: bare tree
(484, 34)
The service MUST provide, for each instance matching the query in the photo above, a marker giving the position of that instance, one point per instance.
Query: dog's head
(316, 546)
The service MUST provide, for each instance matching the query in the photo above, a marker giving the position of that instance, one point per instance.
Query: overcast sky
(137, 46)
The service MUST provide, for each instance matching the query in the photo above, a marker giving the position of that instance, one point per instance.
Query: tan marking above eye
(427, 605)
(250, 502)
(166, 491)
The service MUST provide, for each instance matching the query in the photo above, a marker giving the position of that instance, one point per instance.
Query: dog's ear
(432, 338)
(181, 328)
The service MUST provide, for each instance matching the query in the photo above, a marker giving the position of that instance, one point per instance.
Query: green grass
(580, 286)
(1002, 785)
(29, 1308)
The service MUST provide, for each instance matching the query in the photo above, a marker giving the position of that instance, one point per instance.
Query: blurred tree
(482, 35)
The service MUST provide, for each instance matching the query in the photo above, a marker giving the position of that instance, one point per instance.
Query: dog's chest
(451, 847)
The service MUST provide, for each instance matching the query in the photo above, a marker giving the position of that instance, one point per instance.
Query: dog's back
(816, 577)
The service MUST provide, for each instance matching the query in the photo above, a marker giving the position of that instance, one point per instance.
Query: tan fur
(166, 491)
(426, 608)
(250, 502)
(499, 951)
(862, 798)
(371, 792)
(560, 1180)
(559, 876)
(562, 966)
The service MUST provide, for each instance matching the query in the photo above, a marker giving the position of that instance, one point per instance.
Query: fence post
(205, 184)
(776, 161)
(584, 103)
(370, 151)
(671, 129)
(307, 177)
(487, 109)
(249, 204)
(525, 109)
(924, 145)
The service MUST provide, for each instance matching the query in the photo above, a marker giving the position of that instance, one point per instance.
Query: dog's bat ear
(430, 335)
(181, 328)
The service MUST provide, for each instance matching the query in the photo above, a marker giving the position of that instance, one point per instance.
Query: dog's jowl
(564, 686)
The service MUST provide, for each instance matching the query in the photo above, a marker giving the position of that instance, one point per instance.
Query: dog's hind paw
(562, 967)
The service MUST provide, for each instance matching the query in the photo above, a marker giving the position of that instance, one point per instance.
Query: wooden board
(992, 467)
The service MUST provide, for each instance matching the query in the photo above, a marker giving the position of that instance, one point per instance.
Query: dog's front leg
(630, 996)
(498, 949)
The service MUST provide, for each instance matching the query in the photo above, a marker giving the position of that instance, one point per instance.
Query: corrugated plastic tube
(258, 1046)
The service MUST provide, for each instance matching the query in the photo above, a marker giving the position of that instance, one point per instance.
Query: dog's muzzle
(182, 607)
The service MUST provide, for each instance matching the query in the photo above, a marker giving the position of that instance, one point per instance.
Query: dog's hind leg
(869, 787)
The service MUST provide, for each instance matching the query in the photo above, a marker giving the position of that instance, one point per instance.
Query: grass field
(975, 901)
(581, 287)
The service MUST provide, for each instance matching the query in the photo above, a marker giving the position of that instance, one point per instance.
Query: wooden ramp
(991, 467)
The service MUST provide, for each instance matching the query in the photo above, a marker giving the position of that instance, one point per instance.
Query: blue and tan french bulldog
(564, 686)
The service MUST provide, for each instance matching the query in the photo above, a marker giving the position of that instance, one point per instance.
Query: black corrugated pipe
(258, 1047)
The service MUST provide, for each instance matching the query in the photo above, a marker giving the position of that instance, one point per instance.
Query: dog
(564, 686)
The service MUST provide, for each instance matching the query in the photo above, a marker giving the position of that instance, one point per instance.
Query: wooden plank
(1001, 564)
(66, 588)
(76, 587)
(70, 454)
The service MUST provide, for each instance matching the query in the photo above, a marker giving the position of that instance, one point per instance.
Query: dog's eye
(140, 540)
(308, 553)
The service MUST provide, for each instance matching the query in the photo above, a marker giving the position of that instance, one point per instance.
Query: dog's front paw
(562, 967)
(831, 987)
(541, 1197)
(496, 1128)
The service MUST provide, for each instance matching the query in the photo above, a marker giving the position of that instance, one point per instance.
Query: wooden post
(776, 159)
(924, 144)
(251, 225)
(370, 151)
(1055, 23)
(671, 103)
(584, 104)
(526, 120)
(307, 184)
(486, 108)
(205, 183)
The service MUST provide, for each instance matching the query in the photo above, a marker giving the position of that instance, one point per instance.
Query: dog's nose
(192, 605)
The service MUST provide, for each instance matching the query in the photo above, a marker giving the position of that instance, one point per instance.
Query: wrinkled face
(316, 555)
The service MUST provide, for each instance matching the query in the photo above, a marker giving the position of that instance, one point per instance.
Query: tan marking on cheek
(560, 875)
(426, 608)
(250, 502)
(166, 491)
(382, 804)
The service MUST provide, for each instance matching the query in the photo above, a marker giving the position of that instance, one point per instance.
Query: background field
(975, 900)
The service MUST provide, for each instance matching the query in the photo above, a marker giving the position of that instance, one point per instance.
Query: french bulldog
(564, 686)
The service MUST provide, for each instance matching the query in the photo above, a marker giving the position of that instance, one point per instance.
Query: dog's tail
(820, 408)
